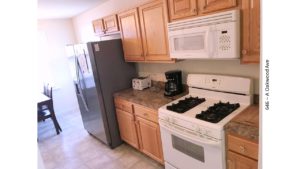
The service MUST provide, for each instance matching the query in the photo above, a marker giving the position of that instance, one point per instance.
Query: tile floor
(74, 148)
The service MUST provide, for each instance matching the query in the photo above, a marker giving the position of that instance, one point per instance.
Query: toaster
(141, 83)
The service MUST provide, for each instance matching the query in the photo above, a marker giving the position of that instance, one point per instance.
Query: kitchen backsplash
(224, 67)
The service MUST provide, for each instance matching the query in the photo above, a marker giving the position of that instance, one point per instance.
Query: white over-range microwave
(215, 36)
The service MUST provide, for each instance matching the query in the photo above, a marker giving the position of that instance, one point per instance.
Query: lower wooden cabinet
(149, 138)
(139, 127)
(237, 161)
(127, 127)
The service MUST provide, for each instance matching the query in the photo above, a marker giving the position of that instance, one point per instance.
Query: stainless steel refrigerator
(99, 70)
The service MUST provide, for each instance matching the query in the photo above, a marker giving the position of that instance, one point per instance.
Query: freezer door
(87, 96)
(113, 75)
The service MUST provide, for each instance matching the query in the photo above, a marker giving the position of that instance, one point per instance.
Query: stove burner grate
(217, 112)
(186, 104)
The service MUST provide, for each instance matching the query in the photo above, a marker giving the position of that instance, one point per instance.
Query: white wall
(84, 32)
(53, 67)
(223, 67)
(83, 23)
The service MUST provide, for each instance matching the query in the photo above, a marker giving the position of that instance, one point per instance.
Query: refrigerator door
(113, 74)
(87, 95)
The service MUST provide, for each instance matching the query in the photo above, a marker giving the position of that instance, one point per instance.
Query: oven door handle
(174, 130)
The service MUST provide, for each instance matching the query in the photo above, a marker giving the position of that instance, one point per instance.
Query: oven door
(185, 151)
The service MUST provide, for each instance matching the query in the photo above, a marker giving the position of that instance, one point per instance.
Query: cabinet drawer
(242, 146)
(146, 113)
(123, 105)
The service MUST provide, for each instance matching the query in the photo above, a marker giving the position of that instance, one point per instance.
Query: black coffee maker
(173, 85)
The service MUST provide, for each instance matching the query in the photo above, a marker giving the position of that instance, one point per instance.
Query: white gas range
(192, 127)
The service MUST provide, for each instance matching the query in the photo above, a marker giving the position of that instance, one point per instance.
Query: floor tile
(74, 148)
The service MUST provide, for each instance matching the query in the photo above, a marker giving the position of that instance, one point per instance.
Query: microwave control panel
(227, 40)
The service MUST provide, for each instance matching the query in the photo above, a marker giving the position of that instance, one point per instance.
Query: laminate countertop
(245, 124)
(152, 98)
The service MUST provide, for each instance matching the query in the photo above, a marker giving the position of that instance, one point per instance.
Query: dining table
(45, 101)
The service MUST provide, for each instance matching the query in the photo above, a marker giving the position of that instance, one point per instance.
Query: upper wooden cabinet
(131, 35)
(106, 25)
(111, 24)
(98, 27)
(250, 12)
(182, 8)
(179, 9)
(214, 5)
(154, 20)
(144, 32)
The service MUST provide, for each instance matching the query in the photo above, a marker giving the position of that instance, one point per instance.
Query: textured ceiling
(54, 9)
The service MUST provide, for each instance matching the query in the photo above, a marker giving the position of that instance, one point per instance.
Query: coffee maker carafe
(173, 85)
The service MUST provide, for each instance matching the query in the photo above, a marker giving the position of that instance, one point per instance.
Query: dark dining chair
(46, 109)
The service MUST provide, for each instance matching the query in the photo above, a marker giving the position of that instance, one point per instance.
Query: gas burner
(217, 112)
(186, 104)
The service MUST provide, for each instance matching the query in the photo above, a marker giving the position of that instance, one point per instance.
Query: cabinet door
(250, 12)
(111, 24)
(154, 19)
(236, 161)
(127, 127)
(131, 35)
(182, 8)
(214, 5)
(149, 138)
(98, 27)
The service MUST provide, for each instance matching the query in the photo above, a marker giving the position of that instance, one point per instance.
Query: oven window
(189, 43)
(188, 148)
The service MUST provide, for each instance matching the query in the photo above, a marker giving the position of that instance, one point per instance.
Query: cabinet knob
(244, 51)
(242, 149)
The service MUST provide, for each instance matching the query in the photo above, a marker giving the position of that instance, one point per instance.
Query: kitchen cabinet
(144, 33)
(250, 13)
(111, 24)
(149, 138)
(242, 139)
(106, 25)
(215, 5)
(98, 27)
(242, 153)
(126, 122)
(131, 35)
(236, 161)
(139, 127)
(182, 8)
(154, 20)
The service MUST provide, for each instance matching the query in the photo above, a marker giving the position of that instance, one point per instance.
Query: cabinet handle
(194, 10)
(205, 4)
(244, 51)
(251, 4)
(242, 149)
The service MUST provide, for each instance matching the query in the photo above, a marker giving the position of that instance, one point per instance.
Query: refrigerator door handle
(78, 85)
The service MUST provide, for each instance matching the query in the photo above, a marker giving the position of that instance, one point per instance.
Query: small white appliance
(140, 83)
(192, 127)
(215, 36)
